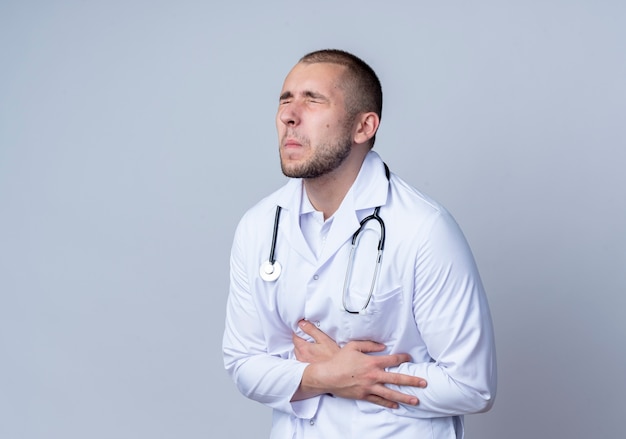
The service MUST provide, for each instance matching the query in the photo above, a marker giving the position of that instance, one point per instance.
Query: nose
(288, 114)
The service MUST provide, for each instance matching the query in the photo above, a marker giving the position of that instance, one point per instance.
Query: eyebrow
(285, 95)
(307, 94)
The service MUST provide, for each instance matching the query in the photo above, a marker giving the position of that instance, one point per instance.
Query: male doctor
(394, 340)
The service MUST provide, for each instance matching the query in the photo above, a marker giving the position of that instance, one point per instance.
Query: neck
(327, 192)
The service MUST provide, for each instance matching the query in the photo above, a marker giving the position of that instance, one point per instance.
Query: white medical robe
(428, 302)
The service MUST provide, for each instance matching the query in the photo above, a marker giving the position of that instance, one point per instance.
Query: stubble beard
(326, 158)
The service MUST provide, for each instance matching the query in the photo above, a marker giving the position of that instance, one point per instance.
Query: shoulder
(412, 200)
(416, 213)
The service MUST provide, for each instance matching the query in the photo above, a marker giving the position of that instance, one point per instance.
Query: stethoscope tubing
(271, 270)
(274, 235)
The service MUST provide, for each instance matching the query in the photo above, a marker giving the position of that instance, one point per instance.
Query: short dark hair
(363, 90)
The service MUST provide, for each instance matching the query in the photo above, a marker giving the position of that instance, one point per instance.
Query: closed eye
(309, 96)
(285, 98)
(315, 98)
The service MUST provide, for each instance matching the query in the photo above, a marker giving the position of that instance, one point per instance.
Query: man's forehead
(317, 75)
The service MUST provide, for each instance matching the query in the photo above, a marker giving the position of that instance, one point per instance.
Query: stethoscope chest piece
(269, 272)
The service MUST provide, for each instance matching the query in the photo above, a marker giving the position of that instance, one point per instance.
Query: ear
(366, 127)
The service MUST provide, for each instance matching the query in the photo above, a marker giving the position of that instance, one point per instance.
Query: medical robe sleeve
(453, 318)
(270, 378)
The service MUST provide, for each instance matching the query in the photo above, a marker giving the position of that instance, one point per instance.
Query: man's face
(314, 129)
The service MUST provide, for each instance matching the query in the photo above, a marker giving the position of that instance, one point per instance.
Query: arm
(289, 384)
(269, 377)
(452, 314)
(349, 372)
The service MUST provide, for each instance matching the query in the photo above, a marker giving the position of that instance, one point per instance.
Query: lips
(291, 143)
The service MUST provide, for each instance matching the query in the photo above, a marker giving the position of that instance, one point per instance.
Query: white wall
(124, 123)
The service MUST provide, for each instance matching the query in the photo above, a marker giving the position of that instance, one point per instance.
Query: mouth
(291, 143)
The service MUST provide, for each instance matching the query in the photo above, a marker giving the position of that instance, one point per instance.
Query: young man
(393, 339)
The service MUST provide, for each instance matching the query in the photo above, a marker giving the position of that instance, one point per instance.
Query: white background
(134, 134)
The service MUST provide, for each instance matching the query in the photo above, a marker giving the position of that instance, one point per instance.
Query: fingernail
(302, 323)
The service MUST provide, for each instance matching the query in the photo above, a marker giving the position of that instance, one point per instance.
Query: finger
(379, 400)
(392, 360)
(395, 396)
(400, 379)
(297, 341)
(365, 346)
(312, 330)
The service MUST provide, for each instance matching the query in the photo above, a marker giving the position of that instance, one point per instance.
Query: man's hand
(323, 348)
(349, 372)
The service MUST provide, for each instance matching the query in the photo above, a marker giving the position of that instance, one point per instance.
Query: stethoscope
(271, 269)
